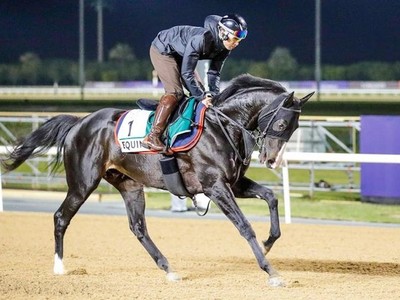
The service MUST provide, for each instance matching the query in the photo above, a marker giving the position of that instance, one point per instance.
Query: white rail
(326, 157)
(73, 90)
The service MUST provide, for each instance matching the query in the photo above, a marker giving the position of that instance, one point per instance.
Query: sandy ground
(105, 261)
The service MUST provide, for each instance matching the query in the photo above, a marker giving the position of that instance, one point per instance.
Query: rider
(174, 54)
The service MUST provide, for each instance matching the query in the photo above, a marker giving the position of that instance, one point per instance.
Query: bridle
(265, 117)
(250, 140)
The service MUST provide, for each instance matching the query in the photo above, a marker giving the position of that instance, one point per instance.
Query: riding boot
(164, 110)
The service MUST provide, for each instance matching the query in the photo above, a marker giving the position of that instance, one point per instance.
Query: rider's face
(232, 42)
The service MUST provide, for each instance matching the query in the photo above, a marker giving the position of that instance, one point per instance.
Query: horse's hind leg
(62, 218)
(80, 186)
(134, 199)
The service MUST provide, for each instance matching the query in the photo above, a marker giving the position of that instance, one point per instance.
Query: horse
(250, 112)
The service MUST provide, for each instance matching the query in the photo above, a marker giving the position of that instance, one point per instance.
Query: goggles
(240, 34)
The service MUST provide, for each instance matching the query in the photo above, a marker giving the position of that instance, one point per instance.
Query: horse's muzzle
(272, 162)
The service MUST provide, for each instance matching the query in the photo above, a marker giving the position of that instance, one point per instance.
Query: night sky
(352, 30)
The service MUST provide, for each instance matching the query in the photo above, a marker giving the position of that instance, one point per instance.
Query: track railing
(326, 157)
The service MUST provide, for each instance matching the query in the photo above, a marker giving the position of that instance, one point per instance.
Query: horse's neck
(244, 108)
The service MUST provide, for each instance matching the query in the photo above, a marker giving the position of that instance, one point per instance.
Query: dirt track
(105, 261)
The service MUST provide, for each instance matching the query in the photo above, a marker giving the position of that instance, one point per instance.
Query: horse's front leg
(223, 197)
(246, 188)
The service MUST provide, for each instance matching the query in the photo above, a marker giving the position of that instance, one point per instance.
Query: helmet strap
(223, 34)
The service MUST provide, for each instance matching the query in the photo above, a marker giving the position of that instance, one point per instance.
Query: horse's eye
(279, 125)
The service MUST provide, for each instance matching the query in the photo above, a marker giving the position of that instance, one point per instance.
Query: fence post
(286, 192)
(1, 194)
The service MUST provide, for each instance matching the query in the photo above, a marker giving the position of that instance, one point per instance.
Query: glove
(207, 100)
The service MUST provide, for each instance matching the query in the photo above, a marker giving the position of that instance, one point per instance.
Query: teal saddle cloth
(182, 123)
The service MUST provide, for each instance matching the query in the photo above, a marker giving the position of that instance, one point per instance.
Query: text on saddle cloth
(131, 130)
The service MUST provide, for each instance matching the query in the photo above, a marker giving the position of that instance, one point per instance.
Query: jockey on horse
(174, 54)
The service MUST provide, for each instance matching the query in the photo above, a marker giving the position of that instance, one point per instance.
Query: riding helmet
(234, 24)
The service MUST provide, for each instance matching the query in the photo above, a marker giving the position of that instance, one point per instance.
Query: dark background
(352, 30)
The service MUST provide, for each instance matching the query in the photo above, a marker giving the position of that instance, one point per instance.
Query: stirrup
(201, 212)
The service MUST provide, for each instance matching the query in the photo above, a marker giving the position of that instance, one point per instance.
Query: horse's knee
(272, 201)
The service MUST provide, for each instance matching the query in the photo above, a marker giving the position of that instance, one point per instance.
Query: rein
(249, 138)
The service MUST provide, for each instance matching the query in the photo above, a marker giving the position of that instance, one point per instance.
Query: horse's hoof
(172, 276)
(276, 281)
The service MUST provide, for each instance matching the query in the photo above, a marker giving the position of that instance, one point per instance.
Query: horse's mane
(246, 81)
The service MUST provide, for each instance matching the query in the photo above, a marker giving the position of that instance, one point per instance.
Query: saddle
(147, 104)
(182, 133)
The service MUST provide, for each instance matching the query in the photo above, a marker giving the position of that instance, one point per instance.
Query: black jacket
(188, 45)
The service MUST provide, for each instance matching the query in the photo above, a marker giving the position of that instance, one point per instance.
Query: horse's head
(277, 123)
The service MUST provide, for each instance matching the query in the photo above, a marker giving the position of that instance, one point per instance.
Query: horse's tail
(52, 133)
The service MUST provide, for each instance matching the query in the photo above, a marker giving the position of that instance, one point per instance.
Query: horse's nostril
(271, 164)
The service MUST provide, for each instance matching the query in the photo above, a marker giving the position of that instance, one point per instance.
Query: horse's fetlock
(162, 263)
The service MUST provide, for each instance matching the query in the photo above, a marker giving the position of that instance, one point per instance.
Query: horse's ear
(305, 98)
(288, 102)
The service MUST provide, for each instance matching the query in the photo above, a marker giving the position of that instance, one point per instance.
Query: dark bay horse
(250, 110)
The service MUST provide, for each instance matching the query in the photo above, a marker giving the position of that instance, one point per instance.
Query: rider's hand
(207, 100)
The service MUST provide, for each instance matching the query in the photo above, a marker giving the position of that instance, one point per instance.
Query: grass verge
(302, 207)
